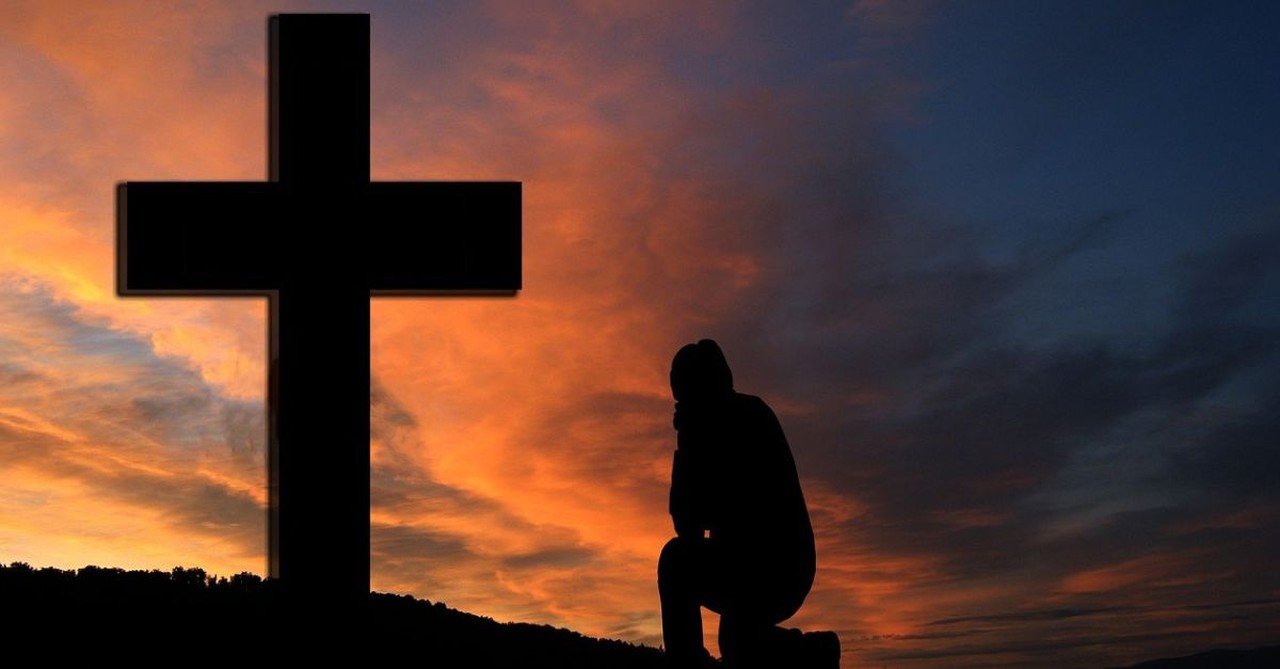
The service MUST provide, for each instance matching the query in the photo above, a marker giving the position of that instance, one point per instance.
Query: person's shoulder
(759, 423)
(745, 402)
(743, 398)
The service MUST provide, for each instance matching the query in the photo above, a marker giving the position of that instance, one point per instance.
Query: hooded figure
(744, 545)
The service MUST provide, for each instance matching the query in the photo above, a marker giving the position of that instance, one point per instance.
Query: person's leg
(760, 594)
(747, 644)
(743, 641)
(680, 578)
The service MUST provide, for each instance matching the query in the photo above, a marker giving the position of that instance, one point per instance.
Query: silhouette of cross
(317, 240)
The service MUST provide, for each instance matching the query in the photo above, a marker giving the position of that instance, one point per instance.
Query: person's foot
(821, 650)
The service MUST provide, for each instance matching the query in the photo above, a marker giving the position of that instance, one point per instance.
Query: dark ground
(185, 616)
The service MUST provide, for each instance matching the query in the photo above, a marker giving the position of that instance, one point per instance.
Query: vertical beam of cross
(319, 139)
(317, 239)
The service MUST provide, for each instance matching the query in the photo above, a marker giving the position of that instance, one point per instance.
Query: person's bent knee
(672, 556)
(676, 561)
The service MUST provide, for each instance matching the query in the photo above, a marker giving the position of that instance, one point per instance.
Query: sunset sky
(1008, 272)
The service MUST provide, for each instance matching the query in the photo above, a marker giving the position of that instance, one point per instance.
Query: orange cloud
(1113, 577)
(114, 455)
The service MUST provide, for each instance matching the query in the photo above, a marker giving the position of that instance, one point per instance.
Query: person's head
(700, 372)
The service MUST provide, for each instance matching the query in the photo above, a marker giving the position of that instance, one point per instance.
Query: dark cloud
(400, 484)
(996, 409)
(903, 347)
(554, 558)
(1067, 613)
(195, 503)
(588, 434)
(15, 375)
(1041, 648)
(1043, 614)
(399, 544)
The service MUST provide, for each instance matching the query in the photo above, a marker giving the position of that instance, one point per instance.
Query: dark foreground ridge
(157, 617)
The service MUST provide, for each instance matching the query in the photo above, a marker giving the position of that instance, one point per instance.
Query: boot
(820, 650)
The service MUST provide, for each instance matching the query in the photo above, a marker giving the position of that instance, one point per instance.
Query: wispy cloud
(113, 453)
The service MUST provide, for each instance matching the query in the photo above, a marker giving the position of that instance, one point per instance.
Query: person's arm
(792, 512)
(683, 505)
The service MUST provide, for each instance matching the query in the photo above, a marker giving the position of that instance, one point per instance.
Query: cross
(318, 239)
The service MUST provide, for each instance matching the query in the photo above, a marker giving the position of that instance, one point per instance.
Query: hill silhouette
(154, 617)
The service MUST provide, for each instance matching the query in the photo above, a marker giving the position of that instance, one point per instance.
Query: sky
(1006, 271)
